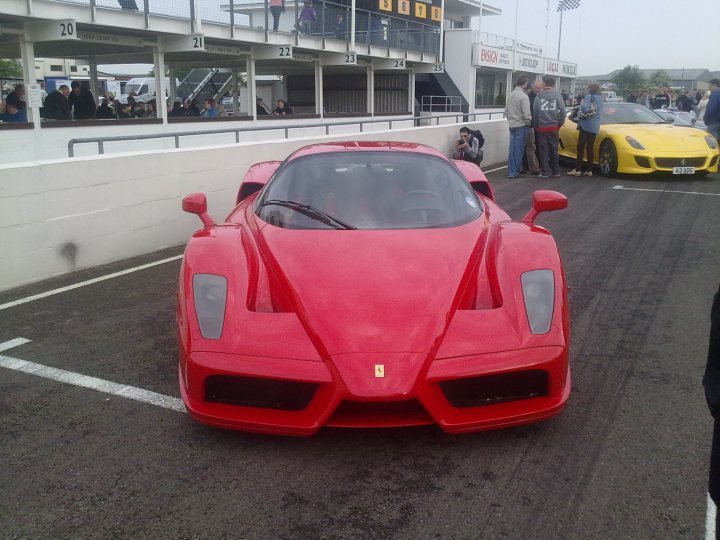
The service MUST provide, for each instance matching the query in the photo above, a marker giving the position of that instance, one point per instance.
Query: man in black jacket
(711, 382)
(56, 104)
(82, 102)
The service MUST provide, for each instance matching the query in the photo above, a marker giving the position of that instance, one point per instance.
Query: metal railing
(330, 20)
(441, 103)
(417, 121)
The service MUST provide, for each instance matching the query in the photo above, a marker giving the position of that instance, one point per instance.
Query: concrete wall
(118, 206)
(17, 146)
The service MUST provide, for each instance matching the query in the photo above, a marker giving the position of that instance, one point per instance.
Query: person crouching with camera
(467, 147)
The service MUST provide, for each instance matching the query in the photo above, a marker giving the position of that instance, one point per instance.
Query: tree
(11, 69)
(629, 78)
(660, 79)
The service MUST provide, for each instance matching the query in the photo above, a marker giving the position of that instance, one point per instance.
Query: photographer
(467, 147)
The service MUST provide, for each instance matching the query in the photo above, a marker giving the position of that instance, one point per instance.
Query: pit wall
(65, 215)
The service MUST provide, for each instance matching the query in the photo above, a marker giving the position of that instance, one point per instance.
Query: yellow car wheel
(608, 159)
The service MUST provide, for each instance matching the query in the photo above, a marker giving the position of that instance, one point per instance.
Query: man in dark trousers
(82, 102)
(711, 382)
(56, 104)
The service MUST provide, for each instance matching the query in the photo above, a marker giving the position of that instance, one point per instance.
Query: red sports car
(371, 284)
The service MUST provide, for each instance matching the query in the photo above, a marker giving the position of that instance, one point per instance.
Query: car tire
(608, 159)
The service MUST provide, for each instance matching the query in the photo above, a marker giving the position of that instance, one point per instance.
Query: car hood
(384, 291)
(661, 137)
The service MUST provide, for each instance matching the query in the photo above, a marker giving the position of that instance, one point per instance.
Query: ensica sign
(490, 56)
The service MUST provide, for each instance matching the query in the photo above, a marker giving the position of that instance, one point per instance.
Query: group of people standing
(535, 115)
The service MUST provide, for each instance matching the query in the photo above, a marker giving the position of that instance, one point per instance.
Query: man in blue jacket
(712, 111)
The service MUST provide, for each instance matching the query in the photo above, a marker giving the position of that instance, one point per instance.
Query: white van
(611, 97)
(143, 88)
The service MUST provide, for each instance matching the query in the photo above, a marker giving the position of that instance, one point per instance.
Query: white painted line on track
(93, 383)
(498, 169)
(88, 282)
(666, 191)
(710, 519)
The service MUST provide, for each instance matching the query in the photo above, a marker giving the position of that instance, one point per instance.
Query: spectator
(177, 111)
(308, 15)
(702, 104)
(632, 98)
(260, 108)
(150, 109)
(209, 109)
(588, 123)
(548, 116)
(519, 117)
(276, 8)
(219, 109)
(138, 111)
(282, 108)
(57, 106)
(13, 113)
(82, 102)
(711, 383)
(532, 161)
(467, 147)
(564, 97)
(684, 102)
(129, 5)
(698, 95)
(104, 111)
(124, 111)
(191, 108)
(712, 110)
(645, 99)
(17, 96)
(43, 93)
(340, 27)
(661, 100)
(578, 99)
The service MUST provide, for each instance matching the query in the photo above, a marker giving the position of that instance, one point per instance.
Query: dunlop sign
(527, 63)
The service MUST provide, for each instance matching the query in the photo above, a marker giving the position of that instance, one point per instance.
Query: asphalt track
(626, 459)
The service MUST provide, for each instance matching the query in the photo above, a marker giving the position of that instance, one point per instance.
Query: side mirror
(545, 201)
(196, 203)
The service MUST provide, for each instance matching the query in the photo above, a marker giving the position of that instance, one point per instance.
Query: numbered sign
(390, 63)
(420, 10)
(436, 13)
(385, 5)
(339, 59)
(193, 42)
(272, 52)
(404, 7)
(53, 31)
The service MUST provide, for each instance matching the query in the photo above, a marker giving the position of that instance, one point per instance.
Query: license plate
(683, 170)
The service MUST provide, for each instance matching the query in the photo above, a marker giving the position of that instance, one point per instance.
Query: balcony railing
(331, 20)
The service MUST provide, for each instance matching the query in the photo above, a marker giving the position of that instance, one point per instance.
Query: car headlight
(538, 287)
(634, 143)
(711, 142)
(209, 292)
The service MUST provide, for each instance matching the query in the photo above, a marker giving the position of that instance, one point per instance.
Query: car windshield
(677, 119)
(368, 190)
(628, 113)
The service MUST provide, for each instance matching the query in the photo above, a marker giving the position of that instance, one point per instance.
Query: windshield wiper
(311, 212)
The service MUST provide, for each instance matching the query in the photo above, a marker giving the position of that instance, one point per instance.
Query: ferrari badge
(379, 371)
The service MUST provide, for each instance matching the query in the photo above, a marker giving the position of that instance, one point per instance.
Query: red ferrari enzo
(371, 284)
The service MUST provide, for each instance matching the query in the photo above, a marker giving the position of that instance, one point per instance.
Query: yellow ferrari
(633, 139)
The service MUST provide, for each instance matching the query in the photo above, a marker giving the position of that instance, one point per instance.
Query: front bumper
(333, 404)
(643, 162)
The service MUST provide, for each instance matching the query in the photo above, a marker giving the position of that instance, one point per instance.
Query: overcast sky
(602, 35)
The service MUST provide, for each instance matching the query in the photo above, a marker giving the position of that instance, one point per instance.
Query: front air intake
(260, 393)
(494, 389)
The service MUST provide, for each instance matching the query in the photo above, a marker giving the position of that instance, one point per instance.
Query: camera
(460, 141)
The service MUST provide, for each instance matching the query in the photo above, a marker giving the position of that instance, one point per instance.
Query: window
(484, 94)
(73, 69)
(56, 67)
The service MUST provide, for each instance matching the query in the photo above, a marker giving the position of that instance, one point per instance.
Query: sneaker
(574, 172)
(587, 173)
(517, 176)
(558, 175)
(543, 175)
